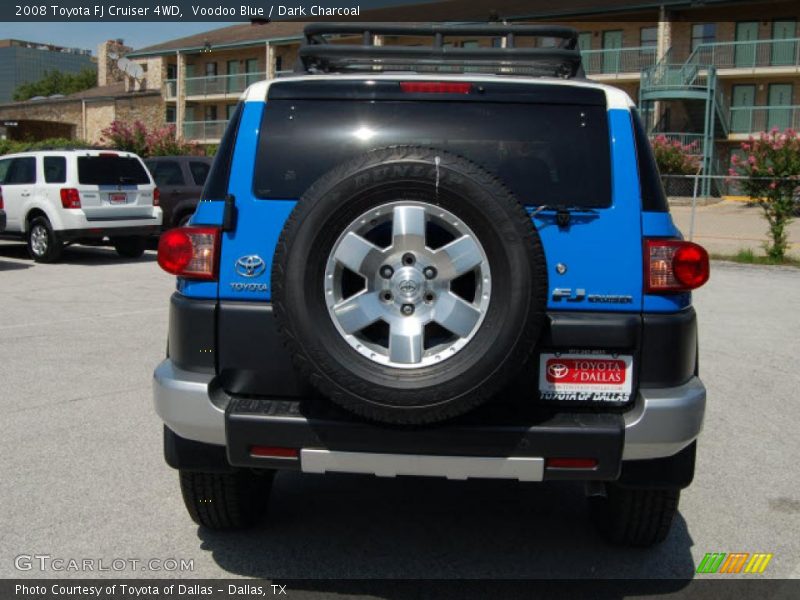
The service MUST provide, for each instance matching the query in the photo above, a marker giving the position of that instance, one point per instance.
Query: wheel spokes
(359, 311)
(455, 314)
(358, 254)
(408, 228)
(406, 341)
(460, 256)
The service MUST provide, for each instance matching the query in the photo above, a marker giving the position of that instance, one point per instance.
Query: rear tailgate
(113, 186)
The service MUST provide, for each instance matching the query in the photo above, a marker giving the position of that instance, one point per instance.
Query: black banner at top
(196, 10)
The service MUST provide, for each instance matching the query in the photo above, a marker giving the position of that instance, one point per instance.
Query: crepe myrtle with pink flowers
(136, 138)
(771, 168)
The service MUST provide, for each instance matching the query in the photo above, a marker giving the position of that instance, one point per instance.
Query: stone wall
(85, 119)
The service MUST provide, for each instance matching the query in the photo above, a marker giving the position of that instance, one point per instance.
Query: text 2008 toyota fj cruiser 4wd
(434, 261)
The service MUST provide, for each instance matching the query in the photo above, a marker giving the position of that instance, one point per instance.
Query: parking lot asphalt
(83, 474)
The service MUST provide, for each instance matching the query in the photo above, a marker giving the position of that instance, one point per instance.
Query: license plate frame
(585, 378)
(117, 198)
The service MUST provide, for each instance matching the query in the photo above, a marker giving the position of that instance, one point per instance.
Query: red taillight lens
(674, 266)
(274, 452)
(571, 463)
(156, 197)
(189, 252)
(435, 87)
(1, 198)
(70, 198)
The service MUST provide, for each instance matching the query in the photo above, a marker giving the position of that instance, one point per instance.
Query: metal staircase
(692, 90)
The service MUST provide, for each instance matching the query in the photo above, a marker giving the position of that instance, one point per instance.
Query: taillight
(70, 198)
(435, 87)
(1, 198)
(190, 252)
(156, 197)
(674, 266)
(571, 463)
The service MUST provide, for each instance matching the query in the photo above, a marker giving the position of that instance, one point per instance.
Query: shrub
(674, 158)
(157, 142)
(11, 146)
(771, 168)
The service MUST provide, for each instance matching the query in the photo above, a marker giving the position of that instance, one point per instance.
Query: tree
(772, 171)
(56, 82)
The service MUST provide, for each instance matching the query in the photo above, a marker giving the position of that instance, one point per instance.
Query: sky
(89, 35)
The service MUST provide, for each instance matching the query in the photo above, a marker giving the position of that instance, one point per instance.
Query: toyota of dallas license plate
(585, 378)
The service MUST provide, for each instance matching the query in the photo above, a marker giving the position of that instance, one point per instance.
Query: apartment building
(706, 73)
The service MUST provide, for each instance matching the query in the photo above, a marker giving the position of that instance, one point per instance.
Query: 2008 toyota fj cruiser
(435, 261)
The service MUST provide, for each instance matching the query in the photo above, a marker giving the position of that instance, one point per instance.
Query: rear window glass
(547, 154)
(166, 172)
(199, 171)
(653, 196)
(55, 169)
(111, 170)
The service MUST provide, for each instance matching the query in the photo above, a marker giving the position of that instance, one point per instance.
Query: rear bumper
(105, 230)
(662, 422)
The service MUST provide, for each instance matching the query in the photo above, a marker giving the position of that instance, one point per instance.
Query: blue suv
(434, 261)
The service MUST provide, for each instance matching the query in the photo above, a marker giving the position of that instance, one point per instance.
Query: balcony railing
(221, 84)
(754, 119)
(664, 76)
(204, 130)
(616, 61)
(748, 55)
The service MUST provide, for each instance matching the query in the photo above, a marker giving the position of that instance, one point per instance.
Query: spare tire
(409, 285)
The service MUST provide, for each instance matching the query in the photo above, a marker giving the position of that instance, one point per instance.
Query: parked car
(180, 180)
(460, 274)
(2, 213)
(59, 197)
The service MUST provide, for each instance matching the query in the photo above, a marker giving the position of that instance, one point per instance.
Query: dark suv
(180, 180)
(462, 267)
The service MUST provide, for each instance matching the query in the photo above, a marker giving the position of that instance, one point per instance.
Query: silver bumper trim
(183, 401)
(523, 468)
(664, 420)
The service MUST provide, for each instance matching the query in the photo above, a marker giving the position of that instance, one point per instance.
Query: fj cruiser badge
(580, 295)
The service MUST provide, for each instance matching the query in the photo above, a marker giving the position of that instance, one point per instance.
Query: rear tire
(633, 516)
(43, 246)
(129, 247)
(437, 367)
(224, 501)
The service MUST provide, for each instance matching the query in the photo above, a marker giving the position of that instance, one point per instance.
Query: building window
(278, 63)
(648, 37)
(585, 41)
(172, 71)
(211, 69)
(211, 113)
(229, 110)
(171, 114)
(703, 33)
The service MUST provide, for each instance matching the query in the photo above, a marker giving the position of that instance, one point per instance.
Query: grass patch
(748, 257)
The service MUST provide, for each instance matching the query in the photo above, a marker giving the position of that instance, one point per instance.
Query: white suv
(71, 196)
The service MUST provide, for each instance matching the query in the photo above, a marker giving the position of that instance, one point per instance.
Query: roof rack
(517, 54)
